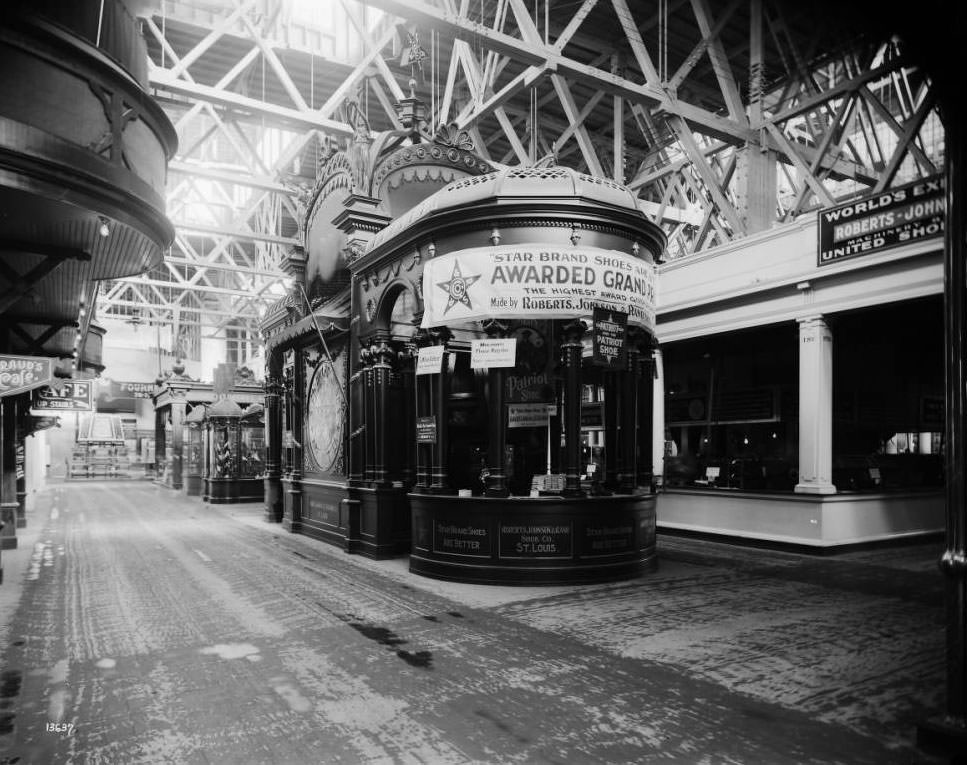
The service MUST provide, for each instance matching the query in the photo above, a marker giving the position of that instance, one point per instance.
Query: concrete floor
(141, 626)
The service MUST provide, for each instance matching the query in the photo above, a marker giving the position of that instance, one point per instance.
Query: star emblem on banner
(457, 288)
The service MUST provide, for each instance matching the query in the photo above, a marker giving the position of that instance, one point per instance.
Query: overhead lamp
(104, 230)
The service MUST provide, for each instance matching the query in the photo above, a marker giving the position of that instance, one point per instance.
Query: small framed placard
(493, 354)
(430, 360)
(426, 430)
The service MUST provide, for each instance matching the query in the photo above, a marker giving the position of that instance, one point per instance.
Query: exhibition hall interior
(622, 331)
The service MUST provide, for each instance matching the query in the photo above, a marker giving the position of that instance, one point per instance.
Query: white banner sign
(493, 354)
(537, 280)
(430, 360)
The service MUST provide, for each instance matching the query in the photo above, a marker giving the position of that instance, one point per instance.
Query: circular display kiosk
(524, 300)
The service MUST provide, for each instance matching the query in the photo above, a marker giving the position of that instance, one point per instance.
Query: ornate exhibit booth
(193, 418)
(534, 290)
(464, 368)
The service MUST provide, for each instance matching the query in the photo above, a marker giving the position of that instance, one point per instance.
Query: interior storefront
(732, 405)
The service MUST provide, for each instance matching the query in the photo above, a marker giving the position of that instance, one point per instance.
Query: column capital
(813, 318)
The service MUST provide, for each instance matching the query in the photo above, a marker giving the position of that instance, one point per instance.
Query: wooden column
(646, 412)
(357, 425)
(382, 370)
(422, 392)
(571, 353)
(8, 475)
(611, 405)
(368, 359)
(406, 360)
(273, 439)
(440, 402)
(627, 451)
(22, 415)
(297, 394)
(496, 482)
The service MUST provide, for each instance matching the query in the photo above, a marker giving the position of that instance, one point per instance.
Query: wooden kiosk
(519, 303)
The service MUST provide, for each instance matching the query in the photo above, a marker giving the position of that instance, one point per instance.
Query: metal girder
(524, 80)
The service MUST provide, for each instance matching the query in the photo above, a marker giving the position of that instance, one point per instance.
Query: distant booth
(99, 450)
(195, 422)
(464, 369)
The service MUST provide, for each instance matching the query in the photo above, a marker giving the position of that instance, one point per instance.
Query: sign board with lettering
(601, 540)
(121, 397)
(493, 354)
(527, 415)
(461, 539)
(429, 361)
(539, 539)
(608, 333)
(73, 396)
(19, 374)
(426, 430)
(537, 280)
(888, 219)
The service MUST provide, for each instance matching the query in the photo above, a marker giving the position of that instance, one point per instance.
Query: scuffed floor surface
(152, 628)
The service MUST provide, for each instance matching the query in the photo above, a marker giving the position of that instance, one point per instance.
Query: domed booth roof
(197, 415)
(224, 407)
(542, 190)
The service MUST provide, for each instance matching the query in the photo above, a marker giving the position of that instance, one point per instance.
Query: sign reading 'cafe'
(19, 374)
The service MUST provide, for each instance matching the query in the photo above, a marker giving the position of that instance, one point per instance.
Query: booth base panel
(533, 541)
(373, 522)
(226, 491)
(813, 521)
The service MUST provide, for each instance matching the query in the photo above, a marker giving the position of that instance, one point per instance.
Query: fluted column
(571, 352)
(815, 407)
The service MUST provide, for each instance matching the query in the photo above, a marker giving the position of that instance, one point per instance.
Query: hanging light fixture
(104, 230)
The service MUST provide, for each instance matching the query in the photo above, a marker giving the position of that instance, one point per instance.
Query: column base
(815, 488)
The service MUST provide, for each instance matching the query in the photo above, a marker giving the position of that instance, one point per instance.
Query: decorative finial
(635, 248)
(412, 84)
(495, 237)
